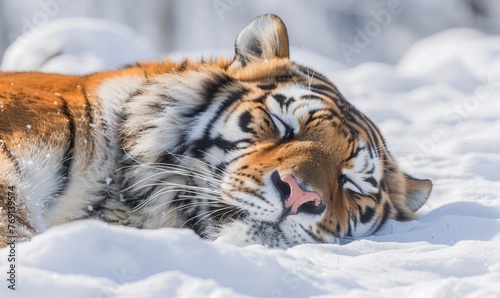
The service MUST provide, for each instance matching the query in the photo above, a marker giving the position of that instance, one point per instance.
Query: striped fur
(195, 145)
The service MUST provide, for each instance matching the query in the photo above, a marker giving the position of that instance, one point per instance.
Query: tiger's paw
(119, 215)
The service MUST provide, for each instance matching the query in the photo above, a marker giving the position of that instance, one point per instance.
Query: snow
(70, 44)
(320, 26)
(439, 112)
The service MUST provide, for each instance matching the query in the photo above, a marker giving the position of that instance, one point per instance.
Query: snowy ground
(439, 111)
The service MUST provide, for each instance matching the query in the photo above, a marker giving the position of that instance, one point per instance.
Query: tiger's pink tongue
(298, 197)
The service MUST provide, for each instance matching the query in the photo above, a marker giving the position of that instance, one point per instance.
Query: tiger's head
(262, 150)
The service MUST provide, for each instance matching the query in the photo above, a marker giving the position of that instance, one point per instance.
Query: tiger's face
(278, 157)
(295, 163)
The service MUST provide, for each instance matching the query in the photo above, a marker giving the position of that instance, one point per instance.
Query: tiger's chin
(243, 233)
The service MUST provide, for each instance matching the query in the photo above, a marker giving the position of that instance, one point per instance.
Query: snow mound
(460, 56)
(77, 46)
(439, 114)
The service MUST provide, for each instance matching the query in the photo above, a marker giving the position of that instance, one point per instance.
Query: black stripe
(131, 65)
(210, 89)
(311, 97)
(316, 75)
(205, 142)
(136, 65)
(201, 146)
(372, 181)
(376, 132)
(328, 230)
(311, 117)
(347, 179)
(352, 149)
(366, 216)
(352, 129)
(285, 78)
(183, 65)
(401, 216)
(136, 199)
(353, 111)
(220, 168)
(269, 86)
(354, 153)
(236, 158)
(349, 227)
(372, 134)
(8, 153)
(378, 196)
(65, 168)
(221, 212)
(249, 176)
(349, 123)
(370, 152)
(262, 198)
(283, 101)
(261, 99)
(383, 185)
(240, 200)
(144, 70)
(354, 194)
(385, 215)
(311, 234)
(244, 122)
(88, 106)
(327, 88)
(330, 114)
(166, 158)
(337, 99)
(224, 144)
(90, 119)
(364, 123)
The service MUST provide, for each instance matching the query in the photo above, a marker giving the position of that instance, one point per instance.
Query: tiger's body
(258, 149)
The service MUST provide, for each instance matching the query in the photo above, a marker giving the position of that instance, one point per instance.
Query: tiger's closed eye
(286, 131)
(289, 134)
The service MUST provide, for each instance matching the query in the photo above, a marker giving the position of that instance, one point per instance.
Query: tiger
(255, 148)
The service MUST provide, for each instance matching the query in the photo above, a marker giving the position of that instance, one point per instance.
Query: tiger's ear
(264, 38)
(417, 192)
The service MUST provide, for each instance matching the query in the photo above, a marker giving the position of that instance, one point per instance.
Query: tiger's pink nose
(295, 198)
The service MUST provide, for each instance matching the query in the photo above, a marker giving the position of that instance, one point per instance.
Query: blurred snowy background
(347, 31)
(433, 91)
